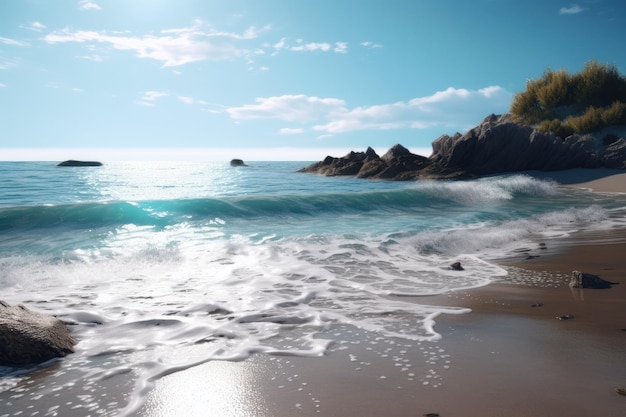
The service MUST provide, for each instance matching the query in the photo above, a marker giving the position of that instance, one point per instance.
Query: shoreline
(510, 356)
(505, 358)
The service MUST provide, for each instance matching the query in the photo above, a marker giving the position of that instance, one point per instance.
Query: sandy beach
(511, 356)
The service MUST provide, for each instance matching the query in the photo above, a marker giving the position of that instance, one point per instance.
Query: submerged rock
(28, 338)
(74, 163)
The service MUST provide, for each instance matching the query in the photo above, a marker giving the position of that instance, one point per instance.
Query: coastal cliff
(497, 145)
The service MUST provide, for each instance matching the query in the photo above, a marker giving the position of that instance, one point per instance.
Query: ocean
(159, 267)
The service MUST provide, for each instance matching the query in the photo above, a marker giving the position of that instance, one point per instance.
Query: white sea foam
(487, 189)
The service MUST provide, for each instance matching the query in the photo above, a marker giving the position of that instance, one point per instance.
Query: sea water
(161, 266)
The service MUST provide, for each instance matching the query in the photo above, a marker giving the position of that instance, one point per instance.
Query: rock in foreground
(28, 338)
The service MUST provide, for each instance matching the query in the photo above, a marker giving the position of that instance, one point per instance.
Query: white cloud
(34, 26)
(12, 42)
(573, 9)
(293, 108)
(88, 5)
(290, 131)
(301, 46)
(2, 85)
(341, 47)
(149, 97)
(457, 108)
(312, 46)
(191, 100)
(173, 47)
(372, 45)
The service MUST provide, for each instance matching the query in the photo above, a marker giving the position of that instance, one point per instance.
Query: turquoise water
(219, 262)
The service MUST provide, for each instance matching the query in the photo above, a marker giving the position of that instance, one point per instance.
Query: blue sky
(276, 79)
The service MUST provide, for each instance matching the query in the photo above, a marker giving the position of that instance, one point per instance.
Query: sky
(276, 79)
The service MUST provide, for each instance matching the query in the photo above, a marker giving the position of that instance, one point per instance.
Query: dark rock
(583, 280)
(498, 145)
(457, 266)
(565, 317)
(74, 163)
(397, 163)
(28, 338)
(237, 163)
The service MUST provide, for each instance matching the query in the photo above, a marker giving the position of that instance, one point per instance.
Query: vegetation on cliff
(565, 103)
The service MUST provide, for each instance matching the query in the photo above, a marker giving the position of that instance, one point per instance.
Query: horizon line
(103, 154)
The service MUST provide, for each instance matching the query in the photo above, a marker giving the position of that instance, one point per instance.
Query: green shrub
(555, 125)
(578, 103)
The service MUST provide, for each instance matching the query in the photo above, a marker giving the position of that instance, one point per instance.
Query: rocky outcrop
(497, 145)
(74, 163)
(397, 164)
(500, 145)
(28, 338)
(237, 163)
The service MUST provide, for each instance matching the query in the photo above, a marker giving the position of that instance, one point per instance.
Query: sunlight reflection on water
(218, 388)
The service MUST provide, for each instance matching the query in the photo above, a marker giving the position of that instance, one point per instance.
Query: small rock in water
(457, 266)
(537, 305)
(620, 391)
(565, 317)
(431, 415)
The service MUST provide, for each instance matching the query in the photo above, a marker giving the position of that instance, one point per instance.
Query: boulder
(584, 280)
(499, 145)
(28, 338)
(237, 163)
(74, 163)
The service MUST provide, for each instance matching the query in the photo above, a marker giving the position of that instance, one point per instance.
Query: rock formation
(497, 145)
(584, 280)
(28, 338)
(74, 163)
(237, 163)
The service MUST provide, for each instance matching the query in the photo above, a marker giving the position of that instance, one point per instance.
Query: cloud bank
(450, 108)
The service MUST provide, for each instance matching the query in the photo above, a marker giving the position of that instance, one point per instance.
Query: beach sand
(510, 357)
